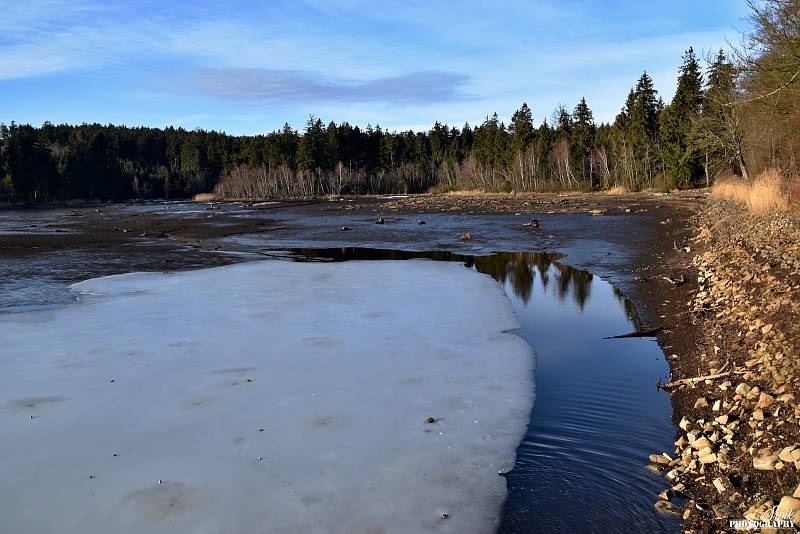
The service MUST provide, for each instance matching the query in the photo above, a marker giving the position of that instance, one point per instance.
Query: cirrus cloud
(266, 86)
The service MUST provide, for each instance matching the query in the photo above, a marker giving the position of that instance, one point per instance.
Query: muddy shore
(645, 244)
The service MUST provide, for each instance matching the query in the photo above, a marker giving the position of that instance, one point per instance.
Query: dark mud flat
(597, 414)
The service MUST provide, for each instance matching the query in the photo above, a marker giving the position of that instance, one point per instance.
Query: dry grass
(206, 197)
(617, 190)
(476, 192)
(731, 188)
(763, 195)
(766, 195)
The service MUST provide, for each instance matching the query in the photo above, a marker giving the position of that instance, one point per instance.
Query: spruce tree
(635, 134)
(582, 139)
(467, 139)
(644, 115)
(521, 128)
(563, 122)
(721, 87)
(332, 148)
(310, 152)
(490, 143)
(679, 150)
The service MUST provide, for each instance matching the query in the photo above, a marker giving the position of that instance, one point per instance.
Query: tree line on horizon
(738, 115)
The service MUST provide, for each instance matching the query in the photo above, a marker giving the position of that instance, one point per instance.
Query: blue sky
(249, 66)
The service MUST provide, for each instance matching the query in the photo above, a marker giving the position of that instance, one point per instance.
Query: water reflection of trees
(516, 269)
(630, 311)
(519, 269)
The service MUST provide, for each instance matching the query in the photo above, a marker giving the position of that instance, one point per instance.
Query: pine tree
(332, 148)
(310, 153)
(583, 132)
(636, 131)
(679, 151)
(563, 122)
(521, 129)
(467, 139)
(490, 142)
(721, 84)
(644, 115)
(438, 137)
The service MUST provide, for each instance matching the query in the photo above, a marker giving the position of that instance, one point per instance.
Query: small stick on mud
(675, 282)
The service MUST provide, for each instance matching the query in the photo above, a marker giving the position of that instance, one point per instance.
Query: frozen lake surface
(265, 397)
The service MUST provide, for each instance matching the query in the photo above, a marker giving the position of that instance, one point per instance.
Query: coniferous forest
(731, 114)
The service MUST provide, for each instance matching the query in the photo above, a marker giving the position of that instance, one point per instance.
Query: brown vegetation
(769, 192)
(205, 197)
(617, 190)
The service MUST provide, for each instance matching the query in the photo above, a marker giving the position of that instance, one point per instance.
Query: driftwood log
(695, 379)
(645, 332)
(690, 381)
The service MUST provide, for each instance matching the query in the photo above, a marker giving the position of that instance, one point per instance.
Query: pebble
(765, 401)
(659, 459)
(709, 458)
(684, 424)
(765, 460)
(789, 507)
(786, 454)
(702, 443)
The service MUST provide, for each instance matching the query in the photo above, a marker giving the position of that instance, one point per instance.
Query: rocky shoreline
(737, 454)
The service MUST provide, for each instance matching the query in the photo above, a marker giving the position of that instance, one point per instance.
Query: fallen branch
(647, 332)
(675, 282)
(691, 381)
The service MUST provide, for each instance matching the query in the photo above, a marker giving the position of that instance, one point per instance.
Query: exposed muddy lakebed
(595, 418)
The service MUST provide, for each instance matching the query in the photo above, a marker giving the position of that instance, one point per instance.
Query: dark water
(597, 413)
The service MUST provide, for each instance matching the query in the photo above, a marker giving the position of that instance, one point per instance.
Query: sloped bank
(737, 454)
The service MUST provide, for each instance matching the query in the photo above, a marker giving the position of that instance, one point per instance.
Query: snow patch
(264, 397)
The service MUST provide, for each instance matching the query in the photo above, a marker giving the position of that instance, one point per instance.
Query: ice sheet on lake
(264, 397)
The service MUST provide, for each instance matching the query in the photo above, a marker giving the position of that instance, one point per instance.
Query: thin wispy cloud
(397, 63)
(273, 86)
